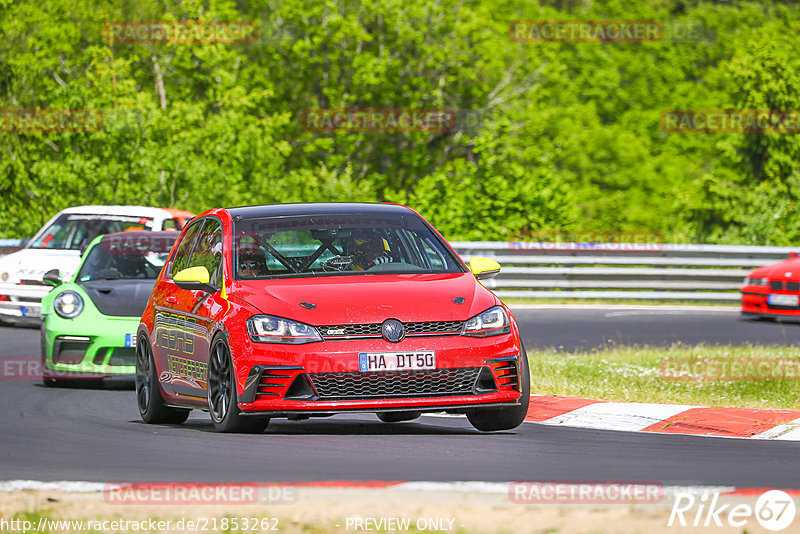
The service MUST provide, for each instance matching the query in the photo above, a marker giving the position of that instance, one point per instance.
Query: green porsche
(89, 323)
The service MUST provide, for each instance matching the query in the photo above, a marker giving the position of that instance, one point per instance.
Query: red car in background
(773, 290)
(304, 310)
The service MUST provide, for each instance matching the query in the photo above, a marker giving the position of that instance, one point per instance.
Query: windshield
(111, 259)
(71, 231)
(324, 245)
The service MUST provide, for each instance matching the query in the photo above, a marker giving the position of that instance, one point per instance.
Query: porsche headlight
(269, 329)
(492, 322)
(68, 305)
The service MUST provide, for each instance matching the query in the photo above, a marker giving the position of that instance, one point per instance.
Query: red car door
(182, 317)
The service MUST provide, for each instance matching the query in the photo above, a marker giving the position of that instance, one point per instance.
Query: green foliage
(549, 135)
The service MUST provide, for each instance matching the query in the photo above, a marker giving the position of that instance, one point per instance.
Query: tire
(148, 393)
(51, 382)
(222, 397)
(494, 419)
(398, 417)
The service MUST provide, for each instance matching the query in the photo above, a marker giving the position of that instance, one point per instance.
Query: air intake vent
(69, 351)
(394, 384)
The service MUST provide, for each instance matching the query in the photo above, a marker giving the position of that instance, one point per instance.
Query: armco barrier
(610, 270)
(620, 270)
(7, 246)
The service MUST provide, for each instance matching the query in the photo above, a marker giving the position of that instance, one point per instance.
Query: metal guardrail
(620, 270)
(7, 246)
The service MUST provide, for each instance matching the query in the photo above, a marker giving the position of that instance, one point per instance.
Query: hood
(32, 263)
(785, 270)
(121, 298)
(352, 299)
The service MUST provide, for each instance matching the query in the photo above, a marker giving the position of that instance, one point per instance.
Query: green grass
(633, 374)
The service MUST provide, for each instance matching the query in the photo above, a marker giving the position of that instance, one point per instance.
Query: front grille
(434, 327)
(391, 384)
(792, 286)
(427, 328)
(776, 285)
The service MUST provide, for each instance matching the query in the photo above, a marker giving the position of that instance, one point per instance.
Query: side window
(208, 252)
(181, 259)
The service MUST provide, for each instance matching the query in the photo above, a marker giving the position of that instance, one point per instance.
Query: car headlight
(492, 322)
(269, 329)
(4, 277)
(755, 281)
(68, 305)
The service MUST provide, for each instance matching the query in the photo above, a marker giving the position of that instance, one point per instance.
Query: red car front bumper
(755, 303)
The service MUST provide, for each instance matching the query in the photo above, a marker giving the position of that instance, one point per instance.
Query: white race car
(58, 245)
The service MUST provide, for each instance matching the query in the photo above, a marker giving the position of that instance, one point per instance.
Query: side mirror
(483, 268)
(24, 242)
(194, 279)
(793, 254)
(52, 277)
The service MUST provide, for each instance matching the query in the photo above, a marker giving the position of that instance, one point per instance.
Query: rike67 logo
(774, 510)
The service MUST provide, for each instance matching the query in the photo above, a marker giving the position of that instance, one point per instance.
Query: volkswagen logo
(393, 330)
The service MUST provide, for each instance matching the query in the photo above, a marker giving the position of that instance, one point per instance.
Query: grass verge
(737, 376)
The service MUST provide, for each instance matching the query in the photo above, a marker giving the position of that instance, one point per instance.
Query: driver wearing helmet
(368, 249)
(252, 261)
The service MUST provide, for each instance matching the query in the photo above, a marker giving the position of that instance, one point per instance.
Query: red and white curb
(503, 488)
(665, 418)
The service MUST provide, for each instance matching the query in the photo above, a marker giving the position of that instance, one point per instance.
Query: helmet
(366, 242)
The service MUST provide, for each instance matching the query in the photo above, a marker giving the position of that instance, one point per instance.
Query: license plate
(130, 340)
(396, 361)
(782, 300)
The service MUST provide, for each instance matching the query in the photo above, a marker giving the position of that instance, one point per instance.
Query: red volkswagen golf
(304, 310)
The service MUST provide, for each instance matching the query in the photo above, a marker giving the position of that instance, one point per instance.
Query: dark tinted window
(71, 231)
(338, 244)
(121, 257)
